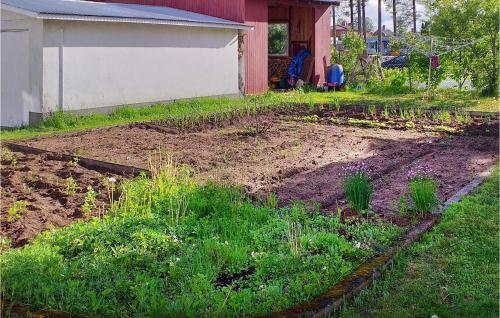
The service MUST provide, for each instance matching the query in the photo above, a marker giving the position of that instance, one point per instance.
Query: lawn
(452, 272)
(186, 112)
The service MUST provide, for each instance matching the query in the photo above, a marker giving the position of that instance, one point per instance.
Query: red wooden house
(308, 21)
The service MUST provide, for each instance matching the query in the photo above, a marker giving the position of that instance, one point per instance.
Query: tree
(403, 14)
(355, 46)
(475, 20)
(369, 24)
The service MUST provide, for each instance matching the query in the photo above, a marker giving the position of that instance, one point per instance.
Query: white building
(63, 55)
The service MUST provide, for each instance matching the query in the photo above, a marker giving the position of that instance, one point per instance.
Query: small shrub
(16, 211)
(422, 189)
(358, 187)
(70, 186)
(89, 201)
(7, 157)
(74, 161)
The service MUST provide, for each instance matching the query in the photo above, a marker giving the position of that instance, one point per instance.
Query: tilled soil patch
(296, 160)
(40, 192)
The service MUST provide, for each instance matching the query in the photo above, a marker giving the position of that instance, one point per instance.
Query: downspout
(241, 62)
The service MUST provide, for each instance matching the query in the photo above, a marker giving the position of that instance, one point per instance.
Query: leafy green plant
(89, 202)
(358, 187)
(463, 118)
(372, 110)
(74, 161)
(16, 210)
(70, 186)
(445, 117)
(422, 189)
(7, 157)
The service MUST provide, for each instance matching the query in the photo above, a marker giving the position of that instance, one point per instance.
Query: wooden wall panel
(233, 10)
(322, 42)
(256, 46)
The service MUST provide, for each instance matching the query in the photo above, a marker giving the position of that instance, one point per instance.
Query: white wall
(108, 64)
(21, 67)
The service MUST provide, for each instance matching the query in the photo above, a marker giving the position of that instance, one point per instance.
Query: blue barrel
(335, 75)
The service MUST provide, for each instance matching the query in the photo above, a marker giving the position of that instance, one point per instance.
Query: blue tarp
(295, 67)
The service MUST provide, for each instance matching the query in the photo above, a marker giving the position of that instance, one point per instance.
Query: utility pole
(379, 40)
(364, 18)
(394, 16)
(358, 2)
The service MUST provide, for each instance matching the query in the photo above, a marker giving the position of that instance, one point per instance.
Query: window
(278, 39)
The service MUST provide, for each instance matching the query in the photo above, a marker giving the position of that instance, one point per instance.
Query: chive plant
(422, 189)
(358, 187)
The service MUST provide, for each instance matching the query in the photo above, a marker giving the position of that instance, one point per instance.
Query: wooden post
(430, 69)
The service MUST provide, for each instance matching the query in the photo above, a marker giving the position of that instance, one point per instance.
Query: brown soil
(39, 181)
(294, 159)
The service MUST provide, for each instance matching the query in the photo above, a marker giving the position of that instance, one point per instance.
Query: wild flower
(420, 171)
(358, 187)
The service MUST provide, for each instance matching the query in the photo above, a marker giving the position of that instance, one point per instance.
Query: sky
(371, 10)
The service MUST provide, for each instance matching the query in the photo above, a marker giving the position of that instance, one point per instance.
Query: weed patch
(171, 246)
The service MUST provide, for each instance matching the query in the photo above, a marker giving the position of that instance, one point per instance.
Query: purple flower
(420, 171)
(357, 168)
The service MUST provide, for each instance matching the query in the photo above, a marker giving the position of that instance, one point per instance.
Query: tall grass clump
(358, 187)
(422, 189)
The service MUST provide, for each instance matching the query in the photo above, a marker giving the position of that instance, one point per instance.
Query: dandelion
(112, 180)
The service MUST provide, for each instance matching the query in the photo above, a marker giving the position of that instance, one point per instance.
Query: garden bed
(198, 247)
(300, 160)
(45, 191)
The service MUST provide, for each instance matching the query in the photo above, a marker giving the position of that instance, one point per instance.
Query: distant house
(371, 40)
(342, 30)
(385, 32)
(82, 56)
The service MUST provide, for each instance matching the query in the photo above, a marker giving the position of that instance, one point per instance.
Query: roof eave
(68, 17)
(143, 21)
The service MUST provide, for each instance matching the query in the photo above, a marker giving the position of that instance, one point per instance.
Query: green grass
(452, 272)
(188, 112)
(163, 249)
